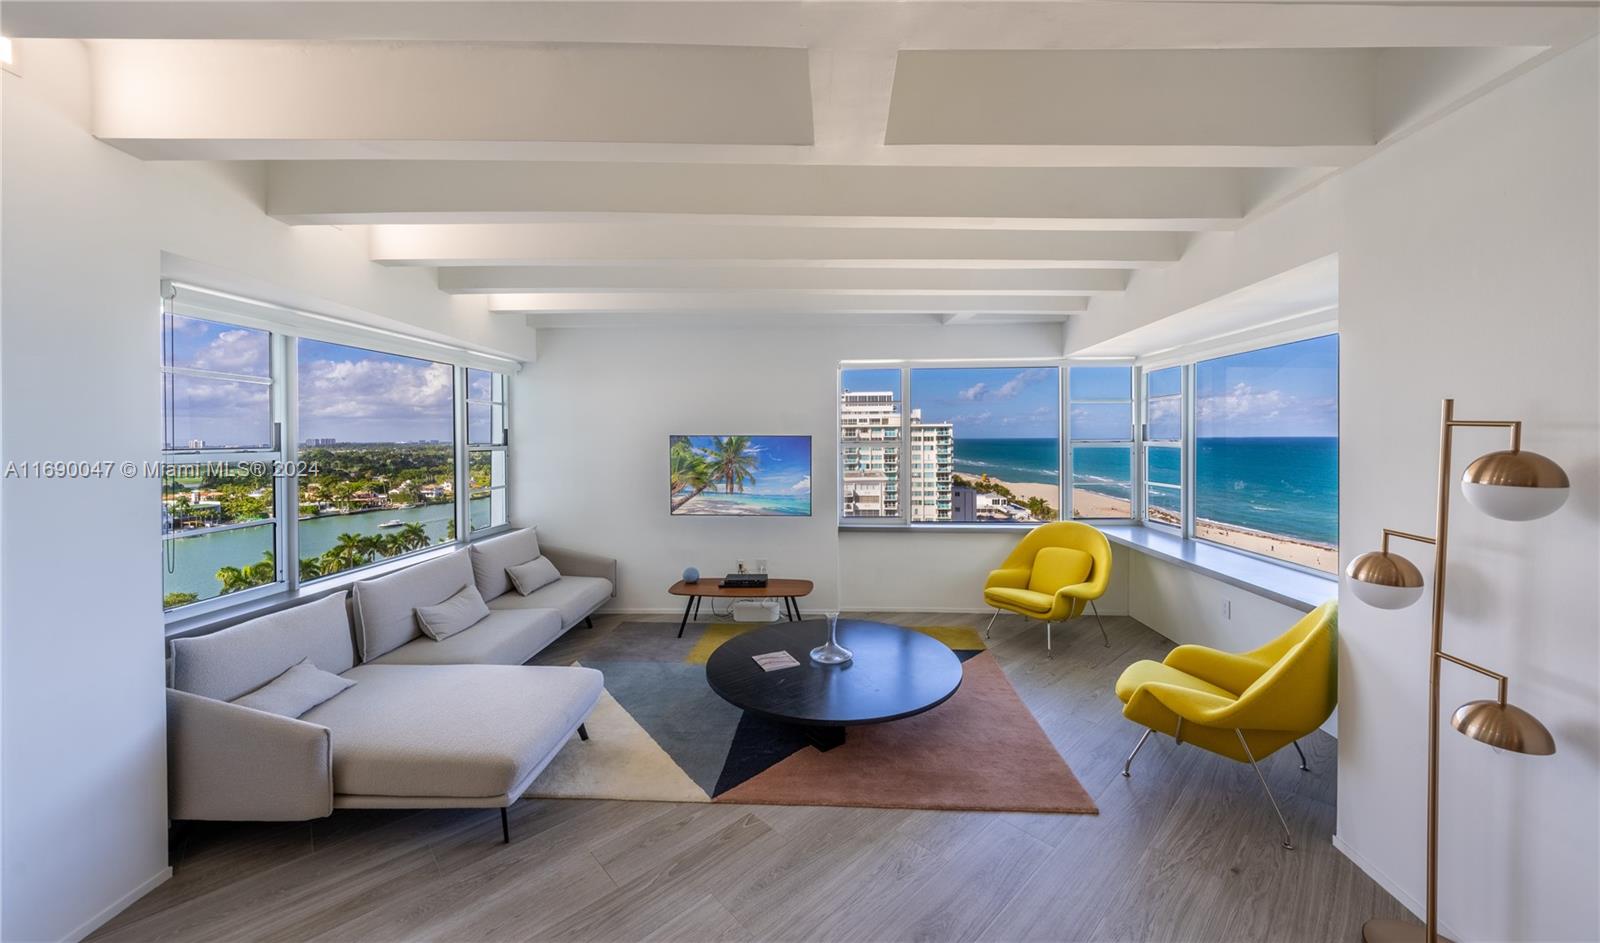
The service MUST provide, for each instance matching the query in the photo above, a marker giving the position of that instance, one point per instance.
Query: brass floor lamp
(1513, 485)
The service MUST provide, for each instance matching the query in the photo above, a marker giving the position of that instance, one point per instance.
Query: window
(377, 436)
(486, 448)
(976, 445)
(1100, 429)
(869, 443)
(1163, 453)
(219, 518)
(373, 468)
(1267, 451)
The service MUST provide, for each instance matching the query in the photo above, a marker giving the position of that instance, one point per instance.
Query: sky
(783, 463)
(346, 393)
(981, 402)
(1288, 390)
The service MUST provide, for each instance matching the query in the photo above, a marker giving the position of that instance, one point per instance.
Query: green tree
(174, 600)
(413, 536)
(1041, 509)
(234, 579)
(347, 553)
(310, 568)
(689, 473)
(733, 462)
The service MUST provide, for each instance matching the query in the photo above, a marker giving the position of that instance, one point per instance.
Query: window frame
(499, 383)
(902, 520)
(1131, 443)
(1183, 443)
(1189, 359)
(285, 333)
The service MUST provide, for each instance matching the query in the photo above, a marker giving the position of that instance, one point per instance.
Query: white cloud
(1016, 384)
(973, 392)
(803, 484)
(375, 389)
(234, 351)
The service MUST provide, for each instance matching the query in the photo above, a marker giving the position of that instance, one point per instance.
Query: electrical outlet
(1227, 609)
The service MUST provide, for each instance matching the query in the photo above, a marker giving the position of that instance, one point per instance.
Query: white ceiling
(922, 161)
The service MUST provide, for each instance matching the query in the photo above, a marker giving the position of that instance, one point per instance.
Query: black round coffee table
(895, 673)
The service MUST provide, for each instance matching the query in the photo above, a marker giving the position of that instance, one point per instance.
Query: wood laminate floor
(1187, 849)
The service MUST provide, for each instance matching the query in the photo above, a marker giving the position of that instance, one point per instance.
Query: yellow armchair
(1050, 576)
(1242, 706)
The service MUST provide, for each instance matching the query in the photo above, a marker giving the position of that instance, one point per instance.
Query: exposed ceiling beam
(485, 92)
(357, 192)
(618, 243)
(995, 24)
(780, 303)
(556, 278)
(1284, 97)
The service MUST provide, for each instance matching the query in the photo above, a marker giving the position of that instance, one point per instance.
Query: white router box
(755, 610)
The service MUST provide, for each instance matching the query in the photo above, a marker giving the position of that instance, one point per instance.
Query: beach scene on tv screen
(740, 475)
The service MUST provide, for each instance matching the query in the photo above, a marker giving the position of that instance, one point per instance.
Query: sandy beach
(1031, 489)
(1087, 504)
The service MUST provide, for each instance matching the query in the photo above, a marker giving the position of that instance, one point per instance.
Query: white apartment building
(871, 451)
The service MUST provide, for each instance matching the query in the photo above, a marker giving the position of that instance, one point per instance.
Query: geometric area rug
(660, 733)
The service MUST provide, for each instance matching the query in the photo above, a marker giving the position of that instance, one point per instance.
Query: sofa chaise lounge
(425, 725)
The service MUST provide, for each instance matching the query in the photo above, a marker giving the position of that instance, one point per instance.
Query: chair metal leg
(991, 624)
(1103, 635)
(1302, 753)
(1288, 840)
(1136, 748)
(505, 826)
(1048, 651)
(1177, 735)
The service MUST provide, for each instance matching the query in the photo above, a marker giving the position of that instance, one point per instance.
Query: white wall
(1468, 269)
(1467, 261)
(85, 229)
(599, 406)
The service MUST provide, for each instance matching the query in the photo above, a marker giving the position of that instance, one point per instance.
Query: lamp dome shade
(1515, 485)
(1384, 580)
(1504, 726)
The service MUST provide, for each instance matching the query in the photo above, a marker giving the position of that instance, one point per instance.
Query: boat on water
(395, 523)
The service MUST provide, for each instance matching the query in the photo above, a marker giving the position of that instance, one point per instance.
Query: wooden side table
(790, 591)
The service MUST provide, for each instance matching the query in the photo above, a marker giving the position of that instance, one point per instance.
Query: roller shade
(197, 302)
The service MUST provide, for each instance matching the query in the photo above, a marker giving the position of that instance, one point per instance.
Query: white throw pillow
(461, 611)
(295, 691)
(529, 576)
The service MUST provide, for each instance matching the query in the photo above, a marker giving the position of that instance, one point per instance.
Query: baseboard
(1418, 908)
(677, 612)
(118, 906)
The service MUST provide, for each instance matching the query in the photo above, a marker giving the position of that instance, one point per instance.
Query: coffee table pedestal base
(824, 738)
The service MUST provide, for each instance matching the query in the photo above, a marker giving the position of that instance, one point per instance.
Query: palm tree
(377, 546)
(234, 579)
(391, 544)
(349, 552)
(689, 472)
(733, 462)
(1041, 509)
(310, 568)
(413, 536)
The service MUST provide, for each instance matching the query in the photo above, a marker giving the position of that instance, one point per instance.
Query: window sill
(1288, 585)
(948, 528)
(214, 619)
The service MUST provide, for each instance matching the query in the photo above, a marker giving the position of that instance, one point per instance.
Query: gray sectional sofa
(461, 722)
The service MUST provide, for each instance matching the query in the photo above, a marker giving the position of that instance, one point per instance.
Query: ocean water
(1018, 460)
(1287, 486)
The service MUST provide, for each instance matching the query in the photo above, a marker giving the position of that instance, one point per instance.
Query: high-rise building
(872, 453)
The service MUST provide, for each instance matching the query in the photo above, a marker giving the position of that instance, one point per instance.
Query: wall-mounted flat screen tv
(740, 475)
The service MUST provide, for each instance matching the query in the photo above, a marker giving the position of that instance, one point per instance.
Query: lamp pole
(1515, 729)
